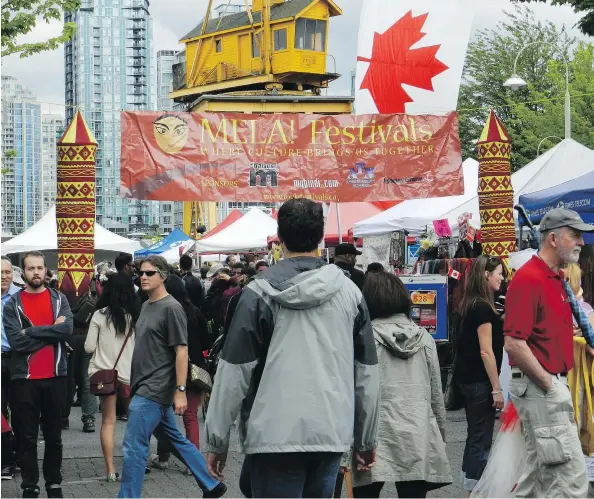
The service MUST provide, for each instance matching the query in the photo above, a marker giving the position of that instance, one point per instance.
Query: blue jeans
(480, 417)
(146, 417)
(293, 474)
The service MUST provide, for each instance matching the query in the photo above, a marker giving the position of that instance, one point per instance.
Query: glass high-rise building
(21, 157)
(52, 130)
(170, 212)
(108, 68)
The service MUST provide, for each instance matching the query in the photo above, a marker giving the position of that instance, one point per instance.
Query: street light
(515, 83)
(546, 138)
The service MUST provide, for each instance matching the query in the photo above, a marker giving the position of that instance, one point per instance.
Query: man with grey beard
(539, 341)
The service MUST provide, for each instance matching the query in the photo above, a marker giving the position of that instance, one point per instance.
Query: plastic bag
(507, 460)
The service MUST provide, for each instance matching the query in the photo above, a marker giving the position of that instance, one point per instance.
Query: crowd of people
(321, 367)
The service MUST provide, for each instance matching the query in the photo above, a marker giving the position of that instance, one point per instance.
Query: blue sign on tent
(175, 238)
(576, 195)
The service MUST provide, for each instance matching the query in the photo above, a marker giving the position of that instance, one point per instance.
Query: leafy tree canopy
(19, 17)
(536, 111)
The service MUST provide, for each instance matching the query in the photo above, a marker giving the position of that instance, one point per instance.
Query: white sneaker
(155, 463)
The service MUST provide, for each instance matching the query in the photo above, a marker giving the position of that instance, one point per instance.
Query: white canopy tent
(248, 233)
(566, 161)
(43, 236)
(414, 215)
(172, 254)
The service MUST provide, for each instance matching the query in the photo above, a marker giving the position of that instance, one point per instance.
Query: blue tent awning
(175, 238)
(576, 195)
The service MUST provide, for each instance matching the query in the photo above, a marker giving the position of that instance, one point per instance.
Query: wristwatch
(181, 388)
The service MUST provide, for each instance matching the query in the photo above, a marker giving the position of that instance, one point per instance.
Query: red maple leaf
(393, 63)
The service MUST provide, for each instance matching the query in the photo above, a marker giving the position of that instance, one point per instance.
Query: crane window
(310, 34)
(280, 39)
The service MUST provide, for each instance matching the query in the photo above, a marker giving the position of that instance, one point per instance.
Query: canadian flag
(454, 274)
(411, 54)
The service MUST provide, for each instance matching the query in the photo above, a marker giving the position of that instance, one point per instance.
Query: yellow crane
(270, 57)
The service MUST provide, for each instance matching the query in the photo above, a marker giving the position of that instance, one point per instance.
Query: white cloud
(44, 73)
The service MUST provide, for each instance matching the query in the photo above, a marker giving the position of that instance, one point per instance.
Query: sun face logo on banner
(411, 54)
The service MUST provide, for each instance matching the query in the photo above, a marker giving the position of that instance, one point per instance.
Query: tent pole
(338, 223)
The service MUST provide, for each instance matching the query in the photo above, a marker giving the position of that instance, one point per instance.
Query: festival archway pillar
(495, 190)
(75, 208)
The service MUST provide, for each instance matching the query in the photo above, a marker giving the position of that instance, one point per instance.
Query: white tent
(566, 161)
(249, 232)
(414, 215)
(43, 236)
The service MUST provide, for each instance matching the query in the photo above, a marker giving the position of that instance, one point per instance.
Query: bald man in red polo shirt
(539, 341)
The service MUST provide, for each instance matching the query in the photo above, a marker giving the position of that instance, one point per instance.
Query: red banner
(274, 157)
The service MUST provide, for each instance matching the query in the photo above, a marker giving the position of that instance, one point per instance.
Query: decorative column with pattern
(495, 191)
(75, 208)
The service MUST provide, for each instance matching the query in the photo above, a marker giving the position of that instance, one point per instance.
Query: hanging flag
(454, 274)
(411, 54)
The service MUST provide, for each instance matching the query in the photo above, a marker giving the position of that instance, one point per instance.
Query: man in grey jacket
(300, 368)
(38, 322)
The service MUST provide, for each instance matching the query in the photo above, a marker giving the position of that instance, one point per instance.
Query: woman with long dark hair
(198, 341)
(480, 353)
(118, 308)
(411, 448)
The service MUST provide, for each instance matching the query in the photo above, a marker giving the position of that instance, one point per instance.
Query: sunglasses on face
(148, 273)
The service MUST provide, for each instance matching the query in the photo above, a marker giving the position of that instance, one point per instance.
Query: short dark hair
(185, 262)
(37, 254)
(385, 295)
(261, 263)
(122, 260)
(238, 265)
(301, 225)
(375, 267)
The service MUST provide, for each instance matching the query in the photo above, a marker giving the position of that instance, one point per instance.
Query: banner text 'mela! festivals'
(218, 157)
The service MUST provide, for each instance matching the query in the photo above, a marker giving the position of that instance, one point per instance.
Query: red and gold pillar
(75, 208)
(495, 191)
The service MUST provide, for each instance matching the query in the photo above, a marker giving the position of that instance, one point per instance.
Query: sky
(44, 73)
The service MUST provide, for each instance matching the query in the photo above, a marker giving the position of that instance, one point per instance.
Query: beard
(569, 255)
(35, 283)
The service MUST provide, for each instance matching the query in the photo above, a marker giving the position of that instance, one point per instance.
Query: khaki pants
(555, 465)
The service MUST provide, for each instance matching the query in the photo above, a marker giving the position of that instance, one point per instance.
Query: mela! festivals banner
(274, 157)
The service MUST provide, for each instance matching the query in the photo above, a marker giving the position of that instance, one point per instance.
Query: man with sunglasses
(158, 382)
(539, 341)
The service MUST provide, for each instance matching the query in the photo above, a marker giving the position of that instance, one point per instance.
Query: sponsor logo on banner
(263, 175)
(361, 176)
(308, 183)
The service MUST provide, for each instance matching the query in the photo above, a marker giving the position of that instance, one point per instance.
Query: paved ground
(84, 468)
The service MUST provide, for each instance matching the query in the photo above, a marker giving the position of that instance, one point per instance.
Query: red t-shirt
(537, 310)
(38, 308)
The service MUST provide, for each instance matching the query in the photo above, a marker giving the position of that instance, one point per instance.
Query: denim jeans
(78, 368)
(480, 417)
(146, 417)
(293, 474)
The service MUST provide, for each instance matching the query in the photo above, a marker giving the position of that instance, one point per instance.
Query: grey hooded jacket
(299, 365)
(411, 436)
(24, 338)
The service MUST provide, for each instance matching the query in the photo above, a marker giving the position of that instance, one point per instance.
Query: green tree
(586, 23)
(19, 17)
(10, 153)
(536, 111)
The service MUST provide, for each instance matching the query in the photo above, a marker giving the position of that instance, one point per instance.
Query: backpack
(84, 307)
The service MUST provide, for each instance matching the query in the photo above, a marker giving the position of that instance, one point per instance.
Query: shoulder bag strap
(124, 345)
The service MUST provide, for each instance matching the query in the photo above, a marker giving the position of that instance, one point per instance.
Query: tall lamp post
(515, 83)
